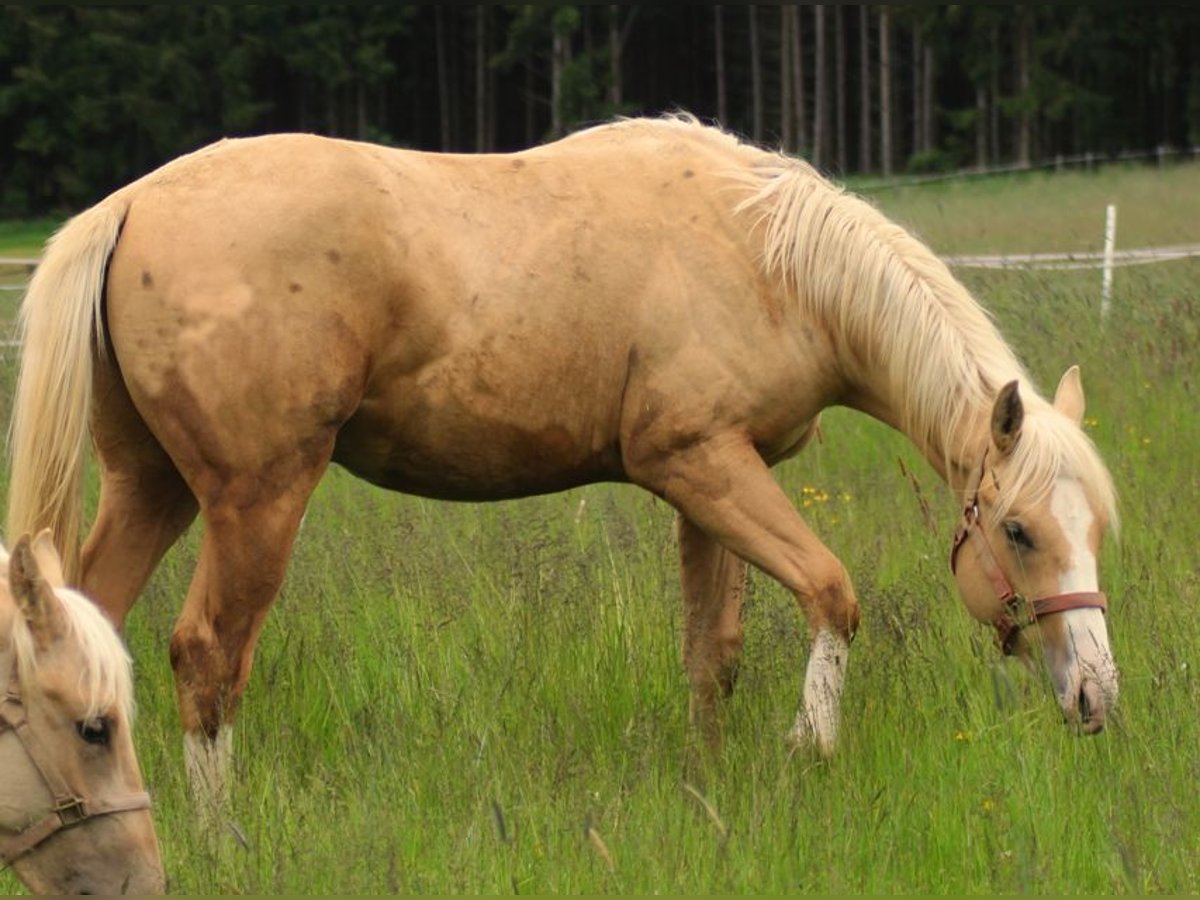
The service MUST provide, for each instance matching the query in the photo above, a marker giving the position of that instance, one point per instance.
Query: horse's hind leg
(249, 532)
(144, 503)
(713, 581)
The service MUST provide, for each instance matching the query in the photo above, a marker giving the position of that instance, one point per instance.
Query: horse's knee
(832, 604)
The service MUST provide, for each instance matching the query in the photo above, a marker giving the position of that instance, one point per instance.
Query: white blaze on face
(1069, 506)
(1085, 662)
(817, 722)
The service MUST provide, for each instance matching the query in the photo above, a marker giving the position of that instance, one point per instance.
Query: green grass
(459, 698)
(1044, 211)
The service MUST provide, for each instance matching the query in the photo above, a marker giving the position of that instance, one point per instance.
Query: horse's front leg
(724, 488)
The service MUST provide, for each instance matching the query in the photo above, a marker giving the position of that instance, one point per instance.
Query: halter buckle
(71, 811)
(1009, 624)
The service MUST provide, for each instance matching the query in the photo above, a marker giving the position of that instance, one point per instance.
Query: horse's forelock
(105, 669)
(1053, 447)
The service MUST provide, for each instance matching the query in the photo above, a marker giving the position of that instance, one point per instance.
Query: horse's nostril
(1085, 707)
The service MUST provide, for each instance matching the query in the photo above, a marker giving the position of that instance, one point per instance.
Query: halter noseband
(1016, 613)
(68, 807)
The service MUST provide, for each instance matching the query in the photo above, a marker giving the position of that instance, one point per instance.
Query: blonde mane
(105, 675)
(894, 305)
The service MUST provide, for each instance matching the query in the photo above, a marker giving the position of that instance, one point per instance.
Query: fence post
(1110, 239)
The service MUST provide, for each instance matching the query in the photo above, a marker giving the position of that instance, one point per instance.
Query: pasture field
(489, 698)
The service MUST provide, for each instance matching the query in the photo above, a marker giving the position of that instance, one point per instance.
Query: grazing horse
(74, 818)
(647, 301)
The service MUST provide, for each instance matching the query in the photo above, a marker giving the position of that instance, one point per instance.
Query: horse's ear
(40, 606)
(48, 559)
(1068, 399)
(1008, 413)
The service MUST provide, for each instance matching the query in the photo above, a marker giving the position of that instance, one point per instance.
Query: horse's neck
(913, 348)
(954, 456)
(933, 377)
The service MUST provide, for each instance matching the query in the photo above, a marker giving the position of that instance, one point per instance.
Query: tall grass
(489, 698)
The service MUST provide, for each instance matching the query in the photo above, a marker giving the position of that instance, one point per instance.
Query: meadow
(489, 698)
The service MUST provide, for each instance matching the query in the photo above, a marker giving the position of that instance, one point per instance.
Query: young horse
(73, 815)
(648, 301)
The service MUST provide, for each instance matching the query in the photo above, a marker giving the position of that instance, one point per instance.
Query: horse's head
(1025, 554)
(74, 817)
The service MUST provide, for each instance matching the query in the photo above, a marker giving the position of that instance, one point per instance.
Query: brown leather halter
(1016, 613)
(68, 807)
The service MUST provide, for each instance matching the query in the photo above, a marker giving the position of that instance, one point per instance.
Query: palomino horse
(74, 818)
(649, 301)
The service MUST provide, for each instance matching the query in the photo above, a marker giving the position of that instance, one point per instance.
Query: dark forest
(92, 97)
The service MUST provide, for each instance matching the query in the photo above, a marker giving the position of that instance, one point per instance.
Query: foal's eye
(1017, 535)
(94, 731)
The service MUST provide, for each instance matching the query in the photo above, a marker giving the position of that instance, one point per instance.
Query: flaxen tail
(61, 329)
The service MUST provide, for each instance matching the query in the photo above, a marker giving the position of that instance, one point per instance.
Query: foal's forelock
(105, 676)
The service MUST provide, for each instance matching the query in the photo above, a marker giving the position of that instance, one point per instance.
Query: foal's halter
(1016, 612)
(68, 807)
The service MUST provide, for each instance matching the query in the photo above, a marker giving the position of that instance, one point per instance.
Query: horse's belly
(460, 457)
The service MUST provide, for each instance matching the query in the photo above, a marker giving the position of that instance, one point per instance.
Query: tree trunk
(1025, 123)
(798, 78)
(839, 49)
(981, 143)
(360, 108)
(614, 57)
(928, 99)
(820, 90)
(618, 36)
(445, 102)
(918, 127)
(885, 90)
(864, 88)
(756, 95)
(530, 124)
(994, 77)
(722, 97)
(559, 57)
(787, 131)
(481, 100)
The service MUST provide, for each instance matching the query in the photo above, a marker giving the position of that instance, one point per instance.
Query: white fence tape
(1082, 260)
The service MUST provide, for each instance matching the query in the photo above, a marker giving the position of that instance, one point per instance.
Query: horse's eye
(1017, 536)
(94, 731)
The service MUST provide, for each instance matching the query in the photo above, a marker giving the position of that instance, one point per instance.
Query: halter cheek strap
(1016, 613)
(67, 808)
